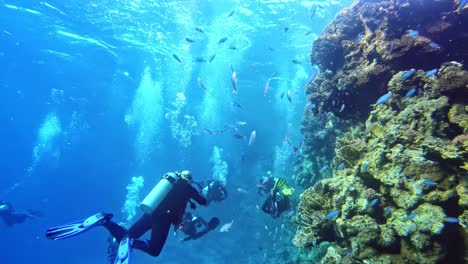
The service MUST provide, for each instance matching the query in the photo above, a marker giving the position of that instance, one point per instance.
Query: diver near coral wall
(215, 191)
(164, 205)
(191, 224)
(277, 194)
(11, 217)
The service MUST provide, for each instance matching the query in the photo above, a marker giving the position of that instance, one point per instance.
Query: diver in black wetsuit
(214, 191)
(11, 217)
(191, 224)
(165, 205)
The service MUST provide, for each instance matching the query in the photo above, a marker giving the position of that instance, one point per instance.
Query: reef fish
(208, 131)
(176, 57)
(226, 227)
(412, 216)
(340, 166)
(434, 45)
(412, 33)
(411, 92)
(374, 202)
(384, 98)
(365, 165)
(342, 108)
(324, 168)
(347, 251)
(189, 40)
(222, 40)
(282, 95)
(431, 73)
(200, 30)
(253, 135)
(202, 85)
(236, 105)
(408, 73)
(452, 220)
(242, 190)
(212, 58)
(429, 183)
(332, 214)
(388, 212)
(199, 59)
(267, 86)
(231, 13)
(359, 38)
(238, 136)
(289, 96)
(234, 82)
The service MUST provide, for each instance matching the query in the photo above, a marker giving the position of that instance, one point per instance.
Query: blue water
(88, 91)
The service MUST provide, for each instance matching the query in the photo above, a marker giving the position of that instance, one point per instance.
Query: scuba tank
(159, 192)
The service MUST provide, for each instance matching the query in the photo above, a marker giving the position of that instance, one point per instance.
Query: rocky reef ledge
(386, 135)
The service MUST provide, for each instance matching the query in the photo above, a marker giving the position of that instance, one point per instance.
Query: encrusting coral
(399, 193)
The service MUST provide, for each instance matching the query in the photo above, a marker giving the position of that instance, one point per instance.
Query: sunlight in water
(144, 116)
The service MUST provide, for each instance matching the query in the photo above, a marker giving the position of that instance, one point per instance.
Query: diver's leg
(159, 232)
(116, 230)
(140, 227)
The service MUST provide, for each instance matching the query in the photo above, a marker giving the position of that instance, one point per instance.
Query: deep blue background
(97, 156)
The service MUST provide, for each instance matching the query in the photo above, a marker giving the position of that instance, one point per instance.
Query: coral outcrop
(398, 193)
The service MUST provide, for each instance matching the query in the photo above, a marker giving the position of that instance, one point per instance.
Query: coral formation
(400, 183)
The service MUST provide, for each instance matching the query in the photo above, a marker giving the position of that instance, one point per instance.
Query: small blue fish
(412, 215)
(222, 40)
(324, 168)
(429, 183)
(388, 212)
(408, 73)
(377, 21)
(359, 38)
(452, 220)
(384, 98)
(332, 214)
(434, 45)
(413, 33)
(365, 165)
(347, 251)
(374, 202)
(431, 73)
(341, 166)
(342, 108)
(189, 40)
(410, 93)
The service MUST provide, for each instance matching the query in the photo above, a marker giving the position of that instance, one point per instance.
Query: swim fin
(123, 254)
(78, 227)
(213, 223)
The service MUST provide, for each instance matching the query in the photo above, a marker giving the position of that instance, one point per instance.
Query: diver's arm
(195, 195)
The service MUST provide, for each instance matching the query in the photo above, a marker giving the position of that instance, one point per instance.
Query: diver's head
(186, 175)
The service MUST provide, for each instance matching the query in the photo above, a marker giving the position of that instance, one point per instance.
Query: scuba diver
(191, 224)
(215, 191)
(11, 217)
(164, 205)
(277, 195)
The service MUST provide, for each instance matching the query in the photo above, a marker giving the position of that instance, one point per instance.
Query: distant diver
(164, 205)
(195, 227)
(277, 194)
(11, 217)
(214, 191)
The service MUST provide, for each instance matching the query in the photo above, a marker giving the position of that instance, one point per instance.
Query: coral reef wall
(386, 135)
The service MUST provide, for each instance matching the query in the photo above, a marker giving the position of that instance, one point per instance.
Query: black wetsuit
(11, 217)
(170, 211)
(215, 191)
(275, 203)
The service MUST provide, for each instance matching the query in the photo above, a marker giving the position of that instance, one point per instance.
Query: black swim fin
(78, 227)
(213, 223)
